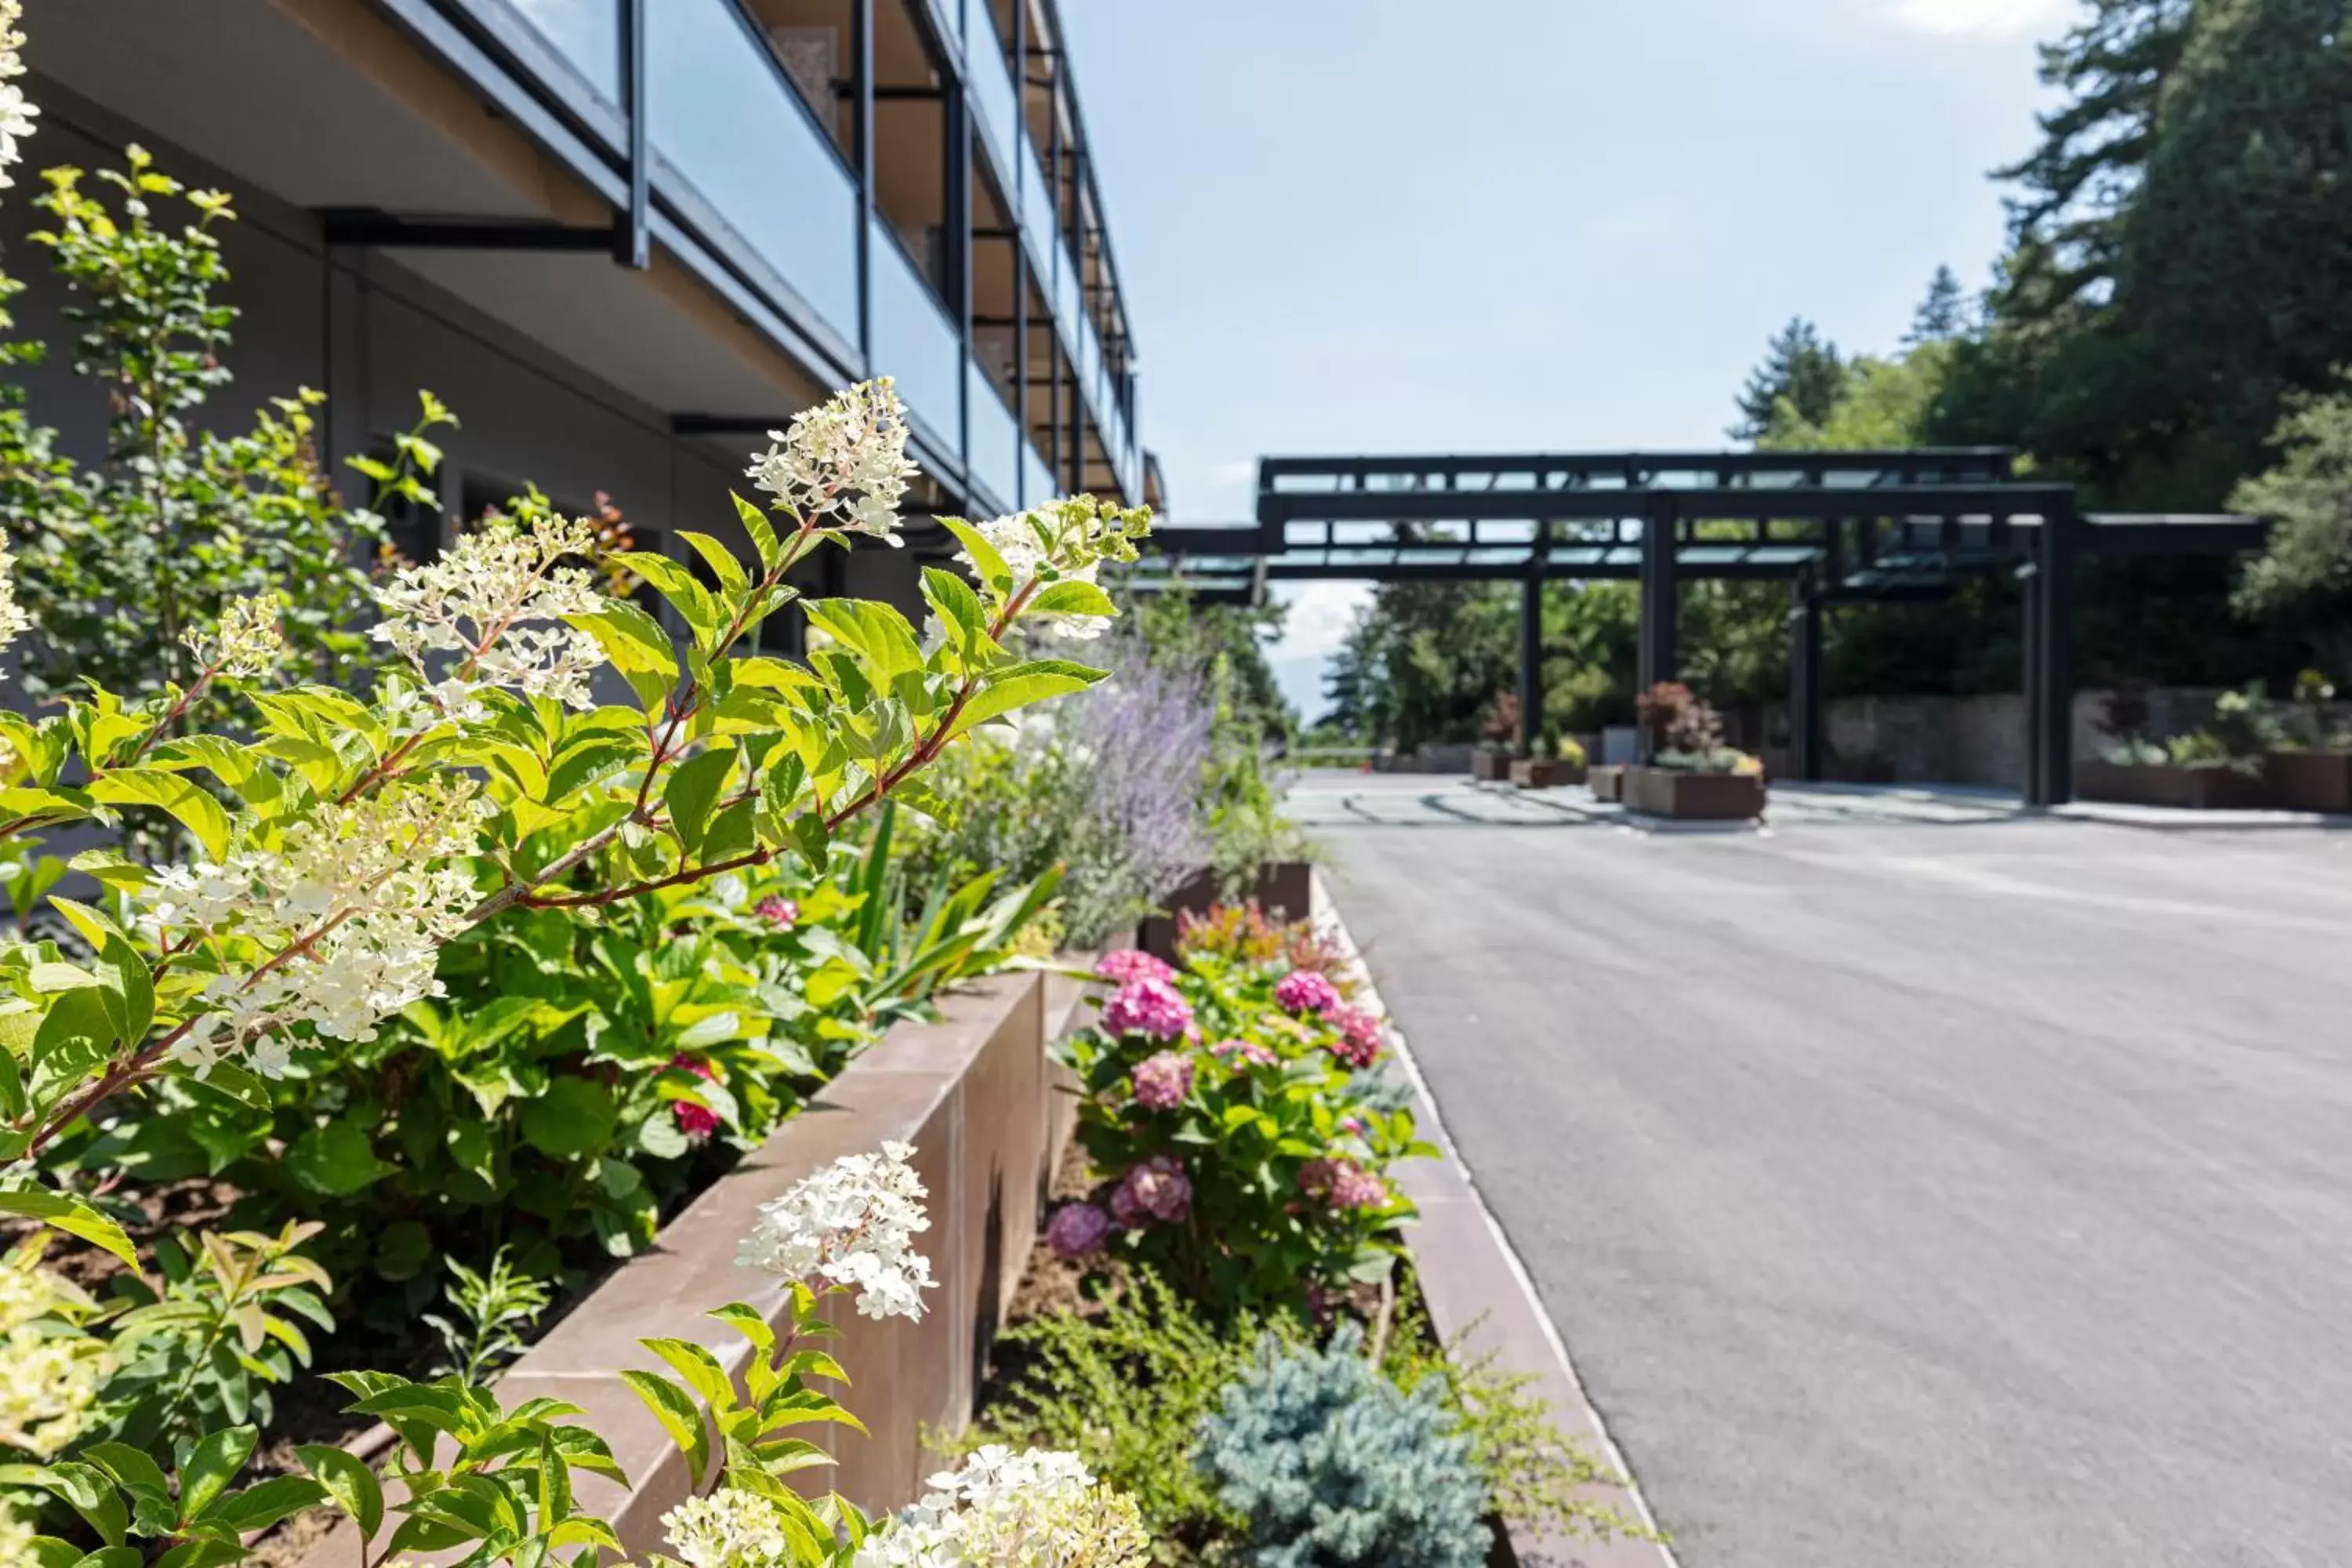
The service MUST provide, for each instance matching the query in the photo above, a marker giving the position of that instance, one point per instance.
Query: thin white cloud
(1998, 20)
(1321, 614)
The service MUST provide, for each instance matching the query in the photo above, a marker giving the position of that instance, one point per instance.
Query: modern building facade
(624, 238)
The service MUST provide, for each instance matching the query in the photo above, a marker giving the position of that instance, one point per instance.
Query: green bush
(1333, 1464)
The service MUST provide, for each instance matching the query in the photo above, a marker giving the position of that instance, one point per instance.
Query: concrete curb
(1480, 1294)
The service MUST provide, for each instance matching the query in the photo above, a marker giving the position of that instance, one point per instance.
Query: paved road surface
(1936, 1189)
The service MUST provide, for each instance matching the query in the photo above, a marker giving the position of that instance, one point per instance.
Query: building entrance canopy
(1838, 527)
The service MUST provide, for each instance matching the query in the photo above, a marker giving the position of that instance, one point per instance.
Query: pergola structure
(1838, 527)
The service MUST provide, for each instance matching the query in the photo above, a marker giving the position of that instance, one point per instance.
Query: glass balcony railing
(724, 118)
(1068, 301)
(992, 459)
(587, 33)
(1037, 485)
(915, 342)
(1036, 208)
(992, 91)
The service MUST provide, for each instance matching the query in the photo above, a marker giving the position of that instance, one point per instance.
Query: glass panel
(1036, 203)
(1065, 301)
(914, 342)
(1036, 478)
(586, 32)
(724, 118)
(992, 457)
(992, 87)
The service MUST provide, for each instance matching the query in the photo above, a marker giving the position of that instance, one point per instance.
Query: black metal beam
(1705, 504)
(1661, 592)
(1981, 463)
(1531, 692)
(1805, 755)
(632, 238)
(378, 229)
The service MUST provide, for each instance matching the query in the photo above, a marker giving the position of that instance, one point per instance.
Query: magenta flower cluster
(1162, 1080)
(694, 1121)
(1304, 991)
(1131, 963)
(1076, 1230)
(1342, 1184)
(778, 911)
(1245, 1053)
(1150, 1007)
(1157, 1189)
(1358, 1043)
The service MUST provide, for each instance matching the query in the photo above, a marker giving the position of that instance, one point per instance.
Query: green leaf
(85, 1487)
(692, 789)
(673, 581)
(259, 1507)
(71, 1215)
(214, 1463)
(1020, 685)
(185, 800)
(763, 532)
(1071, 598)
(679, 1416)
(875, 632)
(337, 1158)
(349, 1484)
(732, 832)
(721, 561)
(985, 559)
(201, 1554)
(575, 1116)
(957, 604)
(638, 646)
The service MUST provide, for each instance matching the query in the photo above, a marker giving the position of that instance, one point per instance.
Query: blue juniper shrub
(1335, 1466)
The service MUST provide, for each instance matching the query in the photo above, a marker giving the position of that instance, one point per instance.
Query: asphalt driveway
(1939, 1191)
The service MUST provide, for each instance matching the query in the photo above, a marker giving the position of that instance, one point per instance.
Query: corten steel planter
(1539, 773)
(2310, 781)
(977, 1096)
(1284, 890)
(2186, 789)
(1607, 781)
(1684, 796)
(1490, 767)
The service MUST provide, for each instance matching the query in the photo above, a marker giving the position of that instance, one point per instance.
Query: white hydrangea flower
(843, 464)
(1062, 539)
(728, 1528)
(13, 622)
(17, 111)
(852, 1224)
(246, 644)
(375, 886)
(497, 601)
(50, 1374)
(15, 1539)
(1019, 537)
(1040, 1507)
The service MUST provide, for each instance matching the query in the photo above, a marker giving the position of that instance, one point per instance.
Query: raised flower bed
(2309, 780)
(1686, 795)
(1607, 781)
(2214, 788)
(1546, 772)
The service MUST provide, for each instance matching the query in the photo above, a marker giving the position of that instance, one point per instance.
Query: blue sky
(1562, 224)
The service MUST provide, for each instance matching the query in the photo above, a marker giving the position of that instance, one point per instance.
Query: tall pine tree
(1943, 315)
(1801, 367)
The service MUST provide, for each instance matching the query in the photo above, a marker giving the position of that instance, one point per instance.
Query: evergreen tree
(1943, 314)
(1800, 369)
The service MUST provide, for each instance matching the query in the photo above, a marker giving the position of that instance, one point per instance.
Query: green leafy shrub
(1333, 1464)
(1226, 1107)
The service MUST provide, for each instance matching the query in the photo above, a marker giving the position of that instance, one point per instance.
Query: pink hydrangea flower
(1149, 1008)
(1157, 1189)
(1162, 1080)
(694, 1121)
(1245, 1053)
(1358, 1043)
(1077, 1229)
(1342, 1184)
(1133, 963)
(1304, 991)
(778, 911)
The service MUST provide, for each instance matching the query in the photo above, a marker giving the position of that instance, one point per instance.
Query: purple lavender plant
(1138, 742)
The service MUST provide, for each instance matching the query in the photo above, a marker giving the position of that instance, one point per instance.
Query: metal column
(1660, 594)
(1531, 692)
(2050, 664)
(1805, 755)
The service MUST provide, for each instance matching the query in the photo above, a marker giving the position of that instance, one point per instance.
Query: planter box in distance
(1686, 797)
(1607, 781)
(2185, 789)
(1546, 773)
(1284, 890)
(2310, 781)
(1490, 767)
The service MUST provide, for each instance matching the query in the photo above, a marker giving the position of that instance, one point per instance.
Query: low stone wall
(976, 1095)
